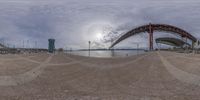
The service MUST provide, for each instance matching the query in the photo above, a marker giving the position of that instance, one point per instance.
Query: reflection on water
(103, 53)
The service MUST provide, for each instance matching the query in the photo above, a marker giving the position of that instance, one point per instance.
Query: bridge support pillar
(150, 37)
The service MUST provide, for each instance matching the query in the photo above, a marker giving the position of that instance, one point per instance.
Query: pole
(36, 47)
(3, 42)
(27, 44)
(89, 48)
(112, 49)
(70, 51)
(150, 37)
(35, 44)
(137, 48)
(66, 50)
(23, 43)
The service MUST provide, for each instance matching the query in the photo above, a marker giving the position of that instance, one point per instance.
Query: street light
(112, 50)
(27, 44)
(89, 42)
(23, 43)
(137, 48)
(36, 44)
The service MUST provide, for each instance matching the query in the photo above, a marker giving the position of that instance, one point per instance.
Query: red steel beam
(150, 28)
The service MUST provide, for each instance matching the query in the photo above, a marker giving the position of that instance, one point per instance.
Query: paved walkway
(151, 76)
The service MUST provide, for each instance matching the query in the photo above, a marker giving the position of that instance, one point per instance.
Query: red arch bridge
(151, 28)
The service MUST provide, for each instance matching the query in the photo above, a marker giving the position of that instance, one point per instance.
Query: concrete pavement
(151, 76)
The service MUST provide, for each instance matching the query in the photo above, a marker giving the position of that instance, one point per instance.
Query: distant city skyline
(75, 22)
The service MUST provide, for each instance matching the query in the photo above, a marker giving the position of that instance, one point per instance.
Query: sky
(30, 23)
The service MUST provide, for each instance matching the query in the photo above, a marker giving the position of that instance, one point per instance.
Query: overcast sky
(75, 22)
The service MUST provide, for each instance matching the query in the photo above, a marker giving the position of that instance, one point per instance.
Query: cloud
(74, 22)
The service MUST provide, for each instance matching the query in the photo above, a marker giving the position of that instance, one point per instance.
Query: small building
(51, 48)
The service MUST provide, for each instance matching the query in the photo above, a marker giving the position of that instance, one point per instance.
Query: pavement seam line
(25, 77)
(179, 74)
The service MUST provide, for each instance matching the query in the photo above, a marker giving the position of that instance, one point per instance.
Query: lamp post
(89, 42)
(27, 44)
(36, 47)
(36, 44)
(23, 44)
(112, 50)
(138, 44)
(70, 51)
(137, 48)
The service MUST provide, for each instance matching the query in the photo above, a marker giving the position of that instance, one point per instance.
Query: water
(107, 54)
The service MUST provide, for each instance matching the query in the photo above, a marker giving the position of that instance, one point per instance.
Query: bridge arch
(150, 28)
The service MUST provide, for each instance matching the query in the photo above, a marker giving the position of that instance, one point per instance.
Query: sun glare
(99, 36)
